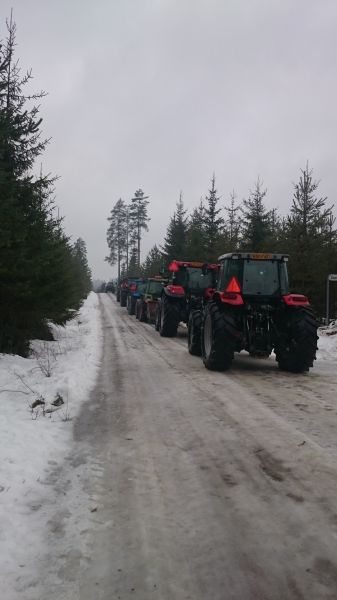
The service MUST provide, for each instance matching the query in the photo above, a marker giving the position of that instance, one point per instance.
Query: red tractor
(253, 310)
(189, 285)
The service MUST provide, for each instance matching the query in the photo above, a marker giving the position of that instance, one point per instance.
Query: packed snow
(32, 440)
(327, 343)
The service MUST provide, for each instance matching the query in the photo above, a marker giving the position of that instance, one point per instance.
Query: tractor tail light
(173, 267)
(176, 290)
(296, 300)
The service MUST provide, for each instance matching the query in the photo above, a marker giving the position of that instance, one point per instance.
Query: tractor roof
(157, 278)
(176, 264)
(254, 256)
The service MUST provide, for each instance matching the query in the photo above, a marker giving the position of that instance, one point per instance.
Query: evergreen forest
(307, 233)
(44, 276)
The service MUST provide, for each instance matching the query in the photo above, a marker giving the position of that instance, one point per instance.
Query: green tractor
(252, 310)
(146, 304)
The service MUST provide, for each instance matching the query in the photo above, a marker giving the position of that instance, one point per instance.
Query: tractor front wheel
(194, 333)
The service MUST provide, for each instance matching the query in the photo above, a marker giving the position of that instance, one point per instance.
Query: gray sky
(158, 94)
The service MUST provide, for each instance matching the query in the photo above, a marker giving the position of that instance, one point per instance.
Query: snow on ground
(327, 343)
(32, 441)
(34, 445)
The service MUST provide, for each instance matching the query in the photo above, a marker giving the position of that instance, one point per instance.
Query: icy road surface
(200, 485)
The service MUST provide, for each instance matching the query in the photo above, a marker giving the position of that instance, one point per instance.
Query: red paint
(231, 298)
(176, 290)
(296, 300)
(233, 286)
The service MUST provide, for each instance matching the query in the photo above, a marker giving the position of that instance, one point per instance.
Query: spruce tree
(232, 224)
(134, 268)
(84, 282)
(196, 234)
(213, 224)
(311, 240)
(153, 263)
(176, 234)
(255, 228)
(37, 269)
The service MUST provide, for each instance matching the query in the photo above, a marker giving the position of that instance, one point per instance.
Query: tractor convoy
(242, 303)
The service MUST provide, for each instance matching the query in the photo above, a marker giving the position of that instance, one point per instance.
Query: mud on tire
(194, 333)
(169, 318)
(218, 338)
(296, 348)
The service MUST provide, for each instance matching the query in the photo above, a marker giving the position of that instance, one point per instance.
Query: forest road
(209, 486)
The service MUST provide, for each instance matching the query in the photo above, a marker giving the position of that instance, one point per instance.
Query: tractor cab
(259, 276)
(193, 277)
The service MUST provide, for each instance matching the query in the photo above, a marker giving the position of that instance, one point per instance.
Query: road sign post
(331, 277)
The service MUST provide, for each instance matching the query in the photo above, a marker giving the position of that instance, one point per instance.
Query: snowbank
(327, 343)
(33, 440)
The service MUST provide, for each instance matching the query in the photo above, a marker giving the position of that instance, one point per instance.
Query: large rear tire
(138, 309)
(123, 298)
(157, 319)
(194, 333)
(217, 338)
(169, 318)
(130, 304)
(142, 312)
(296, 349)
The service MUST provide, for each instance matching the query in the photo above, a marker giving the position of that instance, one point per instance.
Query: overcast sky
(159, 94)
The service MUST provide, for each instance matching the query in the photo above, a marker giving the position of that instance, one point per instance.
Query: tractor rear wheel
(138, 309)
(218, 336)
(296, 349)
(157, 319)
(123, 298)
(142, 311)
(130, 304)
(194, 333)
(169, 318)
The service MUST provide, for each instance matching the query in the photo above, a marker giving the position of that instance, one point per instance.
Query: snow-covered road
(182, 483)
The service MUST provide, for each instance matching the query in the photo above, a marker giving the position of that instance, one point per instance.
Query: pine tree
(117, 235)
(213, 224)
(255, 231)
(176, 234)
(138, 220)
